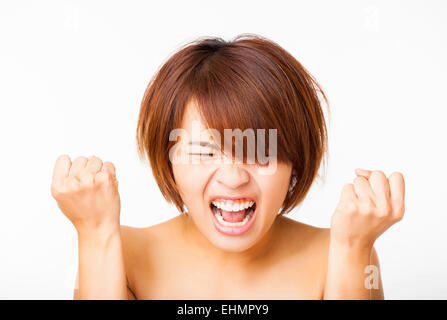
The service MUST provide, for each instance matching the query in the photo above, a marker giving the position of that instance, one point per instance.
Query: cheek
(190, 179)
(274, 188)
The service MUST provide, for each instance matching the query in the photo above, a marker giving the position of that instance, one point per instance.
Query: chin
(232, 245)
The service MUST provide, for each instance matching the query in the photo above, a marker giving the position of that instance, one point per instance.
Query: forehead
(192, 119)
(191, 113)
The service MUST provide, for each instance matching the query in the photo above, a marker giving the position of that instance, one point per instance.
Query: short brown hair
(248, 82)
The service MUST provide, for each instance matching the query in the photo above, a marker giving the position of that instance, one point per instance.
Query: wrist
(97, 234)
(357, 242)
(351, 247)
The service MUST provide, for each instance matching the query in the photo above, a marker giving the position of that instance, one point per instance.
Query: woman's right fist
(86, 191)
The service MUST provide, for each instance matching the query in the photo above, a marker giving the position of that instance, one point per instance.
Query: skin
(187, 258)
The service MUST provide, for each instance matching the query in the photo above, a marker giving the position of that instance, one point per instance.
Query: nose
(232, 176)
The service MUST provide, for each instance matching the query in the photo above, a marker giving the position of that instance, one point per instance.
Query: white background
(72, 75)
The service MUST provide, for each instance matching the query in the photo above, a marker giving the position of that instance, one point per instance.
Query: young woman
(232, 239)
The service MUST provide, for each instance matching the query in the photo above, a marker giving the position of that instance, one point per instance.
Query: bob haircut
(248, 82)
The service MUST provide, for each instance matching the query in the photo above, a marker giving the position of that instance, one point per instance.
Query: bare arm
(107, 257)
(367, 208)
(353, 273)
(86, 191)
(102, 273)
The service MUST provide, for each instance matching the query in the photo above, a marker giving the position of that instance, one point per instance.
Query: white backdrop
(72, 75)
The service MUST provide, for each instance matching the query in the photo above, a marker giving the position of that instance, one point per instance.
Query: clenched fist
(86, 191)
(368, 207)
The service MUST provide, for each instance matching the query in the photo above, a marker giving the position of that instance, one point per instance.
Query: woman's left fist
(368, 207)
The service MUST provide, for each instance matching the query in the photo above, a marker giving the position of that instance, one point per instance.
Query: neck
(257, 253)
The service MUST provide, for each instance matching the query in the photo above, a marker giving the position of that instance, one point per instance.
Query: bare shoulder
(311, 237)
(309, 244)
(307, 249)
(139, 240)
(144, 247)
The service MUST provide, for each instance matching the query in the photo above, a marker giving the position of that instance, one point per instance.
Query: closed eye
(203, 154)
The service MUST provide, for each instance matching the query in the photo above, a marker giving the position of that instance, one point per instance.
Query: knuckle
(398, 215)
(383, 209)
(68, 187)
(55, 191)
(73, 186)
(101, 177)
(347, 186)
(367, 208)
(378, 173)
(346, 189)
(80, 158)
(110, 167)
(86, 180)
(353, 207)
(397, 174)
(350, 207)
(108, 163)
(400, 210)
(358, 179)
(95, 159)
(63, 188)
(62, 156)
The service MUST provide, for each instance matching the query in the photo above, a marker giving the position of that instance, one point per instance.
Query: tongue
(233, 216)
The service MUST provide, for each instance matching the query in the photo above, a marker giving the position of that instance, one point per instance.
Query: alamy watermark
(372, 280)
(199, 147)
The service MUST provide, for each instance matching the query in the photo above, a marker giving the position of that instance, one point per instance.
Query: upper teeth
(233, 206)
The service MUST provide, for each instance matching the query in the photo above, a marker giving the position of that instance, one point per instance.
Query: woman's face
(239, 190)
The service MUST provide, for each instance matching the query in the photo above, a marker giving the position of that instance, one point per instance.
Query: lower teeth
(219, 217)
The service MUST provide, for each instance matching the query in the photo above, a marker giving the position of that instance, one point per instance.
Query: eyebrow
(205, 144)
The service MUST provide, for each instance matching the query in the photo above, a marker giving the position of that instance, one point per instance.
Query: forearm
(346, 278)
(101, 265)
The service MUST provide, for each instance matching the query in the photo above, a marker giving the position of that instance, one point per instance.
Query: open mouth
(233, 217)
